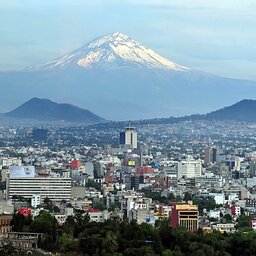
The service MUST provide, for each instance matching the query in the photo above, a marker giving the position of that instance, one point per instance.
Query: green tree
(20, 222)
(228, 218)
(7, 248)
(99, 206)
(92, 184)
(81, 221)
(204, 203)
(67, 244)
(243, 222)
(47, 224)
(109, 243)
(187, 197)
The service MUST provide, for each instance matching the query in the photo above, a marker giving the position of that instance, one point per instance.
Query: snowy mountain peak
(114, 51)
(114, 38)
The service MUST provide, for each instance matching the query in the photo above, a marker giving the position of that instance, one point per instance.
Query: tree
(47, 201)
(187, 197)
(228, 218)
(67, 244)
(204, 203)
(47, 224)
(69, 226)
(92, 184)
(115, 190)
(109, 243)
(112, 207)
(20, 223)
(6, 248)
(81, 221)
(99, 206)
(243, 222)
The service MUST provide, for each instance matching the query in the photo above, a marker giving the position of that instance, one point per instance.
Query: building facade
(129, 137)
(189, 168)
(185, 215)
(55, 188)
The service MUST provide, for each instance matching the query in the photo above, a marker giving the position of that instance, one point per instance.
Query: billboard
(131, 163)
(22, 171)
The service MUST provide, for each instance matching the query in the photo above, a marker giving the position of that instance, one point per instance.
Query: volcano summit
(114, 51)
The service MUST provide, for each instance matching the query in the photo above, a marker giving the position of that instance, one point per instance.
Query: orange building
(185, 215)
(5, 224)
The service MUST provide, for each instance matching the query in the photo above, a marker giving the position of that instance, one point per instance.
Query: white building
(253, 224)
(189, 168)
(142, 215)
(35, 200)
(56, 189)
(218, 197)
(214, 214)
(24, 182)
(97, 215)
(129, 137)
(8, 161)
(251, 182)
(224, 227)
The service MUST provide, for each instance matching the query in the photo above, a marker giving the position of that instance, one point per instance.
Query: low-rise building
(5, 224)
(98, 215)
(224, 227)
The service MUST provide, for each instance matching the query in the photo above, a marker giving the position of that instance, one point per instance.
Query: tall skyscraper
(211, 155)
(129, 137)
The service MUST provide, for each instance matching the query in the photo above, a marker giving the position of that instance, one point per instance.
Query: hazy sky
(210, 35)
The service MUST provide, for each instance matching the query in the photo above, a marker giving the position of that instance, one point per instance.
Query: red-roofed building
(144, 170)
(75, 164)
(108, 178)
(25, 211)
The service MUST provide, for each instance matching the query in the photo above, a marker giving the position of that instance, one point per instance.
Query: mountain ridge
(242, 111)
(47, 110)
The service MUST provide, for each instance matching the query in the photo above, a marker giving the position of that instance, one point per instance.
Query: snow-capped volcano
(114, 51)
(120, 79)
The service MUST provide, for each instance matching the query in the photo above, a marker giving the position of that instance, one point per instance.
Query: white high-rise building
(55, 189)
(23, 181)
(129, 137)
(189, 168)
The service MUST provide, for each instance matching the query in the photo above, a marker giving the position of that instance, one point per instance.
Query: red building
(235, 210)
(75, 164)
(25, 211)
(144, 170)
(184, 215)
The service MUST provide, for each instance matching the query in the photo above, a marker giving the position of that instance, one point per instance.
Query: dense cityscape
(191, 176)
(127, 128)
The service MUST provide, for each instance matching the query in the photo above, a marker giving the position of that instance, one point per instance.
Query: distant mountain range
(120, 79)
(49, 111)
(244, 111)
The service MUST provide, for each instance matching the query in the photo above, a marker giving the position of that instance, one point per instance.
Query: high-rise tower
(129, 137)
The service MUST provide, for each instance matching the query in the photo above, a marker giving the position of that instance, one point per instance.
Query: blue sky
(213, 36)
